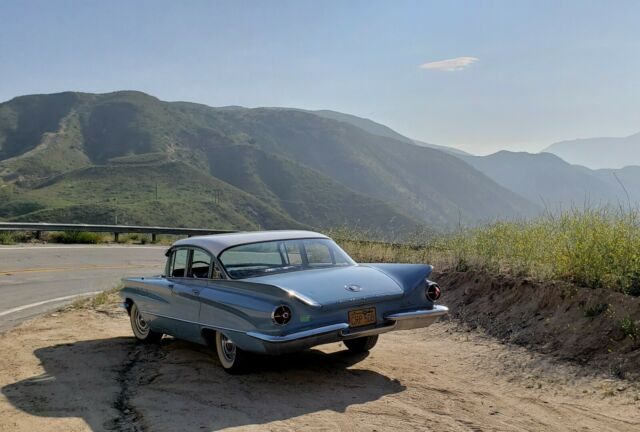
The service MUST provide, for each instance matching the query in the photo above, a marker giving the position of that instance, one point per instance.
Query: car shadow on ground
(118, 384)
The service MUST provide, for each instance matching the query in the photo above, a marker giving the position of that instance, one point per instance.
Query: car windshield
(260, 259)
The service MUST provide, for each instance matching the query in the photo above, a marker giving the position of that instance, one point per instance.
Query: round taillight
(433, 291)
(281, 315)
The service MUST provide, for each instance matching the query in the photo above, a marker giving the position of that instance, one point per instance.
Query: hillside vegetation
(84, 157)
(544, 179)
(589, 248)
(234, 167)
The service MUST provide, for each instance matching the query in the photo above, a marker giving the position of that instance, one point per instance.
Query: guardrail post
(154, 237)
(115, 237)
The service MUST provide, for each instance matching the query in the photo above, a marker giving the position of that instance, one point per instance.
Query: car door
(221, 306)
(184, 302)
(185, 299)
(155, 304)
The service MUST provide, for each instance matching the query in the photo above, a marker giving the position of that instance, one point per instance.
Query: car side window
(179, 263)
(318, 254)
(200, 264)
(294, 255)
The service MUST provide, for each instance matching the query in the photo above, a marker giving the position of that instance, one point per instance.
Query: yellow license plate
(362, 317)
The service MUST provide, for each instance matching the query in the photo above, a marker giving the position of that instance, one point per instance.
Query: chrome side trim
(299, 335)
(423, 313)
(393, 322)
(192, 322)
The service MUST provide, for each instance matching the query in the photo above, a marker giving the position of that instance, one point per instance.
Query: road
(34, 279)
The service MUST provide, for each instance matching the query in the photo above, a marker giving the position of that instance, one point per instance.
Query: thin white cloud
(450, 65)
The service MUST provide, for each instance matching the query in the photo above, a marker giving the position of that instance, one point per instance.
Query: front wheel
(141, 329)
(361, 344)
(233, 359)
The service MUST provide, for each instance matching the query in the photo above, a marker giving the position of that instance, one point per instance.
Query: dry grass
(591, 248)
(105, 298)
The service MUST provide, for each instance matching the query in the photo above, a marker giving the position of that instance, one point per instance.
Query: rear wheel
(361, 344)
(141, 329)
(233, 359)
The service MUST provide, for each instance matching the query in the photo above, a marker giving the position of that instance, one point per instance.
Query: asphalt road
(36, 279)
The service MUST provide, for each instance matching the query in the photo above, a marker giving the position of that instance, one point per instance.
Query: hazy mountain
(364, 124)
(450, 150)
(382, 130)
(547, 180)
(625, 180)
(544, 179)
(267, 166)
(598, 153)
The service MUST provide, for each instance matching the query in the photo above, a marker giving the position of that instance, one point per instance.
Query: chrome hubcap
(228, 348)
(141, 325)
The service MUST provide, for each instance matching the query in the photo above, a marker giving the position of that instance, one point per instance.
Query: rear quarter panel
(412, 278)
(151, 295)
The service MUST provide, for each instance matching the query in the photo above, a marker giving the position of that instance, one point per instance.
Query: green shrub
(76, 237)
(134, 238)
(13, 237)
(7, 238)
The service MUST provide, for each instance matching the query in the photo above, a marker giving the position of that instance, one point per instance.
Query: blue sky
(523, 74)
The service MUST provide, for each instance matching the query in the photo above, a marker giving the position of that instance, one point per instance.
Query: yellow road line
(74, 268)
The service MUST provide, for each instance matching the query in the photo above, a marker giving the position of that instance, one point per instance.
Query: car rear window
(259, 259)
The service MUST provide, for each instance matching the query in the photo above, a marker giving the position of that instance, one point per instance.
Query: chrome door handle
(170, 286)
(195, 291)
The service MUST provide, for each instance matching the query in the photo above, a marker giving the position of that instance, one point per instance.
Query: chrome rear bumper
(417, 318)
(336, 332)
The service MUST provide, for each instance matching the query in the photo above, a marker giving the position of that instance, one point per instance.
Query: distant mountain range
(599, 153)
(548, 181)
(79, 157)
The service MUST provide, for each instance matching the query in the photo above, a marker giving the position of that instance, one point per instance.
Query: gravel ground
(81, 370)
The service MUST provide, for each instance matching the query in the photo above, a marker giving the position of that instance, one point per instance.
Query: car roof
(216, 243)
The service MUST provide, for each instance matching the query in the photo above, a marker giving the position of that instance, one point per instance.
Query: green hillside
(76, 157)
(100, 193)
(426, 184)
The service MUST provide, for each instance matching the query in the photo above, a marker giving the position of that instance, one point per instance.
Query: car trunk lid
(337, 286)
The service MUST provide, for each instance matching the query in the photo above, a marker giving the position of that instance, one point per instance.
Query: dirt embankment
(596, 328)
(81, 370)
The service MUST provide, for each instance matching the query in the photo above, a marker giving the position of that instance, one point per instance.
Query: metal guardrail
(39, 228)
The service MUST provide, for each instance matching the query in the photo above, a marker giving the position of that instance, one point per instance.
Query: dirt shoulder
(81, 370)
(595, 328)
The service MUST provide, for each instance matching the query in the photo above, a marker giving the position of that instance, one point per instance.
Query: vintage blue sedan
(273, 292)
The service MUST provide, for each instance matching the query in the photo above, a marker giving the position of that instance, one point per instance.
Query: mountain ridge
(600, 152)
(393, 184)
